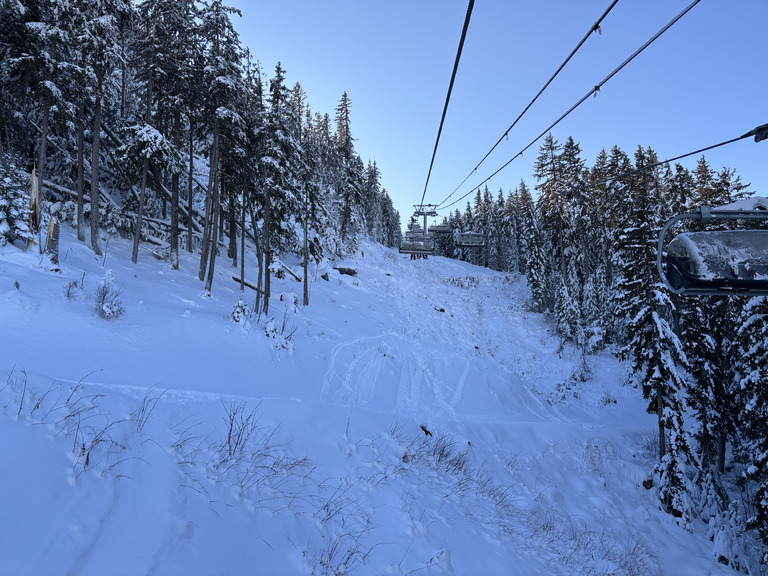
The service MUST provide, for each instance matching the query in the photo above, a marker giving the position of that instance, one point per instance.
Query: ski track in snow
(435, 343)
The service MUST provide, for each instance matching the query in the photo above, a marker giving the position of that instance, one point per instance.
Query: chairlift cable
(448, 96)
(760, 133)
(584, 98)
(595, 27)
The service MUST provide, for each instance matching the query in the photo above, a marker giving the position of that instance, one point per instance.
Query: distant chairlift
(417, 242)
(720, 262)
(470, 240)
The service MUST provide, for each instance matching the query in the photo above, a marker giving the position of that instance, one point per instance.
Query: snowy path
(419, 420)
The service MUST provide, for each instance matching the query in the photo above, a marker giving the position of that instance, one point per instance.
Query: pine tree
(224, 81)
(280, 164)
(752, 369)
(14, 203)
(654, 351)
(101, 50)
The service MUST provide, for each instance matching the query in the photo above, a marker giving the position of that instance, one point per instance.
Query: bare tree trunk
(259, 261)
(144, 170)
(42, 155)
(721, 452)
(306, 257)
(232, 226)
(174, 255)
(267, 250)
(215, 212)
(662, 435)
(80, 171)
(140, 210)
(189, 191)
(242, 245)
(209, 230)
(96, 136)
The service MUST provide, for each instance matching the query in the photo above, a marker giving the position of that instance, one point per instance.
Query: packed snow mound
(415, 418)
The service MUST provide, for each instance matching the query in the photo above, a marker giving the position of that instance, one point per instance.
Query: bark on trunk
(189, 190)
(96, 136)
(215, 244)
(174, 255)
(80, 171)
(660, 414)
(267, 250)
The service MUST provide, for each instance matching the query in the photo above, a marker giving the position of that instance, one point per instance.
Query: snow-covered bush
(14, 203)
(241, 312)
(108, 303)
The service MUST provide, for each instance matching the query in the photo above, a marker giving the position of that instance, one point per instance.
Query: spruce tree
(653, 350)
(752, 369)
(14, 202)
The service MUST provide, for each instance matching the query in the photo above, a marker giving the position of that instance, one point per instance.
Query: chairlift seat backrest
(722, 260)
(470, 240)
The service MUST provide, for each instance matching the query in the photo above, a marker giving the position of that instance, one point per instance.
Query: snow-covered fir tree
(14, 203)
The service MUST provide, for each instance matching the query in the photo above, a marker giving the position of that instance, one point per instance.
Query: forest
(154, 116)
(152, 120)
(587, 245)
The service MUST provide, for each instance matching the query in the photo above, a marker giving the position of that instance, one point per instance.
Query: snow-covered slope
(414, 419)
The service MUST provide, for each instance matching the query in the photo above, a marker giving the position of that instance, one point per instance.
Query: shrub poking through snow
(108, 303)
(241, 312)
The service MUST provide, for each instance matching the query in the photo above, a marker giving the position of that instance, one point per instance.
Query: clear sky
(702, 82)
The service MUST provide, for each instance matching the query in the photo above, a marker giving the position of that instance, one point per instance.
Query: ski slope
(414, 419)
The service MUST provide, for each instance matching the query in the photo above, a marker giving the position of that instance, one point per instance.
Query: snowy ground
(414, 419)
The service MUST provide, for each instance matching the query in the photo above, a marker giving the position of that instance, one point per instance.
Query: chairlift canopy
(717, 262)
(720, 261)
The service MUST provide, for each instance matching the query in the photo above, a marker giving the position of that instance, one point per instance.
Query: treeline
(587, 245)
(153, 119)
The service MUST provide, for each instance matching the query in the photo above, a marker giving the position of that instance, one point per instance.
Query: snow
(415, 419)
(751, 203)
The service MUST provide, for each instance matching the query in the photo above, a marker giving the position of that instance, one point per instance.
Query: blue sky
(702, 82)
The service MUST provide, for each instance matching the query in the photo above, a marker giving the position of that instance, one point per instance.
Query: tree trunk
(306, 257)
(259, 261)
(41, 155)
(174, 255)
(209, 229)
(242, 246)
(660, 414)
(96, 137)
(189, 191)
(140, 210)
(721, 452)
(80, 171)
(144, 170)
(232, 226)
(267, 250)
(214, 245)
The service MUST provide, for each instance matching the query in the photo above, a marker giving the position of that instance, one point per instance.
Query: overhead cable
(594, 28)
(584, 98)
(760, 133)
(448, 96)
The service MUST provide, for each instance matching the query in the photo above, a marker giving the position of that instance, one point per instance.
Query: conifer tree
(752, 369)
(14, 202)
(654, 351)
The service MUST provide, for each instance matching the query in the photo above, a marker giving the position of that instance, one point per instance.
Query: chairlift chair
(719, 262)
(470, 240)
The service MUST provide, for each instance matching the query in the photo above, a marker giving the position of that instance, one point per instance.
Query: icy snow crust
(417, 421)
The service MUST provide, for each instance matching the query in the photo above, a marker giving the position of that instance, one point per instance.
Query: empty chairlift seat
(417, 245)
(723, 260)
(470, 240)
